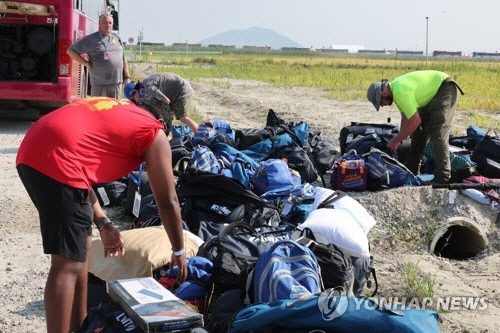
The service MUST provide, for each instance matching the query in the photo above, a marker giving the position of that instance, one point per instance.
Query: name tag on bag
(104, 196)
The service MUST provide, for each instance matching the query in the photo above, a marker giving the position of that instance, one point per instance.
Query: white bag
(349, 205)
(338, 227)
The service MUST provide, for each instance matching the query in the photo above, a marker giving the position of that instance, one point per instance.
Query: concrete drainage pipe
(460, 238)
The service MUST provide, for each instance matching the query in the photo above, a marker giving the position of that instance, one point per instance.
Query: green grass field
(344, 77)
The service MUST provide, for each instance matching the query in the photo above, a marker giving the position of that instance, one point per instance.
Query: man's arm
(78, 58)
(126, 73)
(404, 120)
(112, 241)
(158, 159)
(99, 214)
(408, 126)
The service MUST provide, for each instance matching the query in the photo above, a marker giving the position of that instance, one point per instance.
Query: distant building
(495, 55)
(254, 47)
(373, 51)
(296, 49)
(152, 44)
(409, 53)
(184, 45)
(220, 46)
(447, 53)
(332, 50)
(350, 48)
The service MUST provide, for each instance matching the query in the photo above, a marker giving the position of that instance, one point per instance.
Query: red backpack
(350, 173)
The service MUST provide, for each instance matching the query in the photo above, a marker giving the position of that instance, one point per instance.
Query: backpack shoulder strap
(332, 198)
(235, 225)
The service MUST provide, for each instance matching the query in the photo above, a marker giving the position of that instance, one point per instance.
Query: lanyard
(138, 179)
(105, 44)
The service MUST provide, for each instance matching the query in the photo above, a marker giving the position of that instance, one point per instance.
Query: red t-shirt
(90, 141)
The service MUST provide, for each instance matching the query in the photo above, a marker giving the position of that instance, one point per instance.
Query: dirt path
(403, 215)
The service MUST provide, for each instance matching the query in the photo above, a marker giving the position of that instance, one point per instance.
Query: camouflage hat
(158, 109)
(374, 93)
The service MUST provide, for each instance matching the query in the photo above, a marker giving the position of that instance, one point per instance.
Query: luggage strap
(332, 198)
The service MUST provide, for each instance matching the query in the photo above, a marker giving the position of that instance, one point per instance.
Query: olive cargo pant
(436, 124)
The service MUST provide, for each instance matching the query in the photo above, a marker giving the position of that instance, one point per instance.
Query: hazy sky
(454, 25)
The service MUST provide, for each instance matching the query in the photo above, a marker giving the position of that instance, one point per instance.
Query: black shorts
(65, 214)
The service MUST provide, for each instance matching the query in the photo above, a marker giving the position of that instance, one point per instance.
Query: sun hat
(374, 93)
(158, 109)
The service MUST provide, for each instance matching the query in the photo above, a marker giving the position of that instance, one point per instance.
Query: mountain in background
(253, 36)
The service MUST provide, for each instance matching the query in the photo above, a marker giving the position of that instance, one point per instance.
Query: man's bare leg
(79, 311)
(60, 292)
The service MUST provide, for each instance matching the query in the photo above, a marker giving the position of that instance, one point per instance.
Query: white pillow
(339, 228)
(349, 205)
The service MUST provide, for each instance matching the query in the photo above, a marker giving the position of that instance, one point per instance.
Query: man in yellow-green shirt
(427, 101)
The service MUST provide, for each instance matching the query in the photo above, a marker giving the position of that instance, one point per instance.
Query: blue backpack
(204, 159)
(220, 148)
(204, 134)
(263, 149)
(223, 128)
(181, 131)
(273, 179)
(301, 130)
(287, 270)
(241, 174)
(384, 171)
(475, 133)
(299, 204)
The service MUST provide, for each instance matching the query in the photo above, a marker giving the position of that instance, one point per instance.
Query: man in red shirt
(90, 141)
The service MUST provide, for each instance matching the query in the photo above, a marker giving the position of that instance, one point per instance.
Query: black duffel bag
(224, 309)
(349, 133)
(249, 213)
(487, 167)
(246, 137)
(210, 197)
(112, 193)
(108, 317)
(234, 252)
(298, 160)
(323, 153)
(336, 265)
(362, 145)
(489, 146)
(487, 156)
(180, 148)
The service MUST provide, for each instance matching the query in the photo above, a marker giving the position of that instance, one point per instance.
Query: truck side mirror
(116, 26)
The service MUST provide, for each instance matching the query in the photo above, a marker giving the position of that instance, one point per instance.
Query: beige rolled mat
(146, 249)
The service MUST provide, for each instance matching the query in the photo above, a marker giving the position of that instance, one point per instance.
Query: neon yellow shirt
(415, 90)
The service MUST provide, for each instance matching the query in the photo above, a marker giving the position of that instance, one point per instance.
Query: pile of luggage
(281, 245)
(367, 164)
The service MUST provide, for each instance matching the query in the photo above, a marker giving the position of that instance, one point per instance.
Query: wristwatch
(102, 224)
